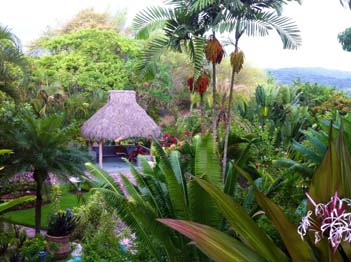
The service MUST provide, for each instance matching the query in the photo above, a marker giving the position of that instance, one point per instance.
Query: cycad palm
(10, 55)
(164, 191)
(41, 146)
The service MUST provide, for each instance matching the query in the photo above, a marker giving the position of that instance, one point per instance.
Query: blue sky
(319, 21)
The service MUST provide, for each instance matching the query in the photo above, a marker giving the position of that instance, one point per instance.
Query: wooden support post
(90, 146)
(100, 153)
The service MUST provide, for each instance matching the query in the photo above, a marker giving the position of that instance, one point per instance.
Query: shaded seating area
(121, 118)
(118, 151)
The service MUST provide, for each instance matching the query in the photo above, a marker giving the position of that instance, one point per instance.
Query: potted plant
(60, 225)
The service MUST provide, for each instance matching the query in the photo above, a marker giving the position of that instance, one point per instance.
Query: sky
(319, 21)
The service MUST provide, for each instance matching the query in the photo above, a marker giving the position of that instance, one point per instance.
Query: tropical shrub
(62, 223)
(332, 176)
(164, 190)
(31, 248)
(41, 146)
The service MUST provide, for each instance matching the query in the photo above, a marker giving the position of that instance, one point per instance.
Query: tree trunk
(214, 109)
(214, 94)
(38, 203)
(227, 126)
(202, 110)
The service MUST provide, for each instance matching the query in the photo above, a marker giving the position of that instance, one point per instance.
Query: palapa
(120, 118)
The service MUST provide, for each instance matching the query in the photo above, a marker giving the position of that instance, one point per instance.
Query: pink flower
(330, 220)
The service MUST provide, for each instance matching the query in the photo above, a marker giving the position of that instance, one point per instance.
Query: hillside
(322, 76)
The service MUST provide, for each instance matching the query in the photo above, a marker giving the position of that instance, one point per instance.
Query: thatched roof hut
(120, 118)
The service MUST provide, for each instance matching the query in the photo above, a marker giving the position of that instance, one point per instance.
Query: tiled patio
(114, 165)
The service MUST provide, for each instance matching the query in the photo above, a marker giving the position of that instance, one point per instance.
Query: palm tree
(41, 146)
(253, 17)
(184, 25)
(10, 55)
(165, 191)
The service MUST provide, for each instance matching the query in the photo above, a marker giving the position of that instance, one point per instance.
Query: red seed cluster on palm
(201, 83)
(214, 51)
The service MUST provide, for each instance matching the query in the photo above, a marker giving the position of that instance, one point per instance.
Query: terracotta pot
(64, 247)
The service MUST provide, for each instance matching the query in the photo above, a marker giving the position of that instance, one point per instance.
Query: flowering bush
(328, 220)
(168, 140)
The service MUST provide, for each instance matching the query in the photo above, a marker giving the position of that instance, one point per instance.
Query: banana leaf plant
(251, 243)
(164, 191)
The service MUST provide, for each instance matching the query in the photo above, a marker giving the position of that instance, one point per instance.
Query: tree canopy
(345, 39)
(88, 59)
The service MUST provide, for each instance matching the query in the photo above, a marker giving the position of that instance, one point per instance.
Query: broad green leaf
(5, 151)
(243, 224)
(230, 179)
(207, 161)
(344, 157)
(175, 187)
(14, 202)
(175, 163)
(147, 192)
(206, 166)
(298, 249)
(326, 180)
(215, 244)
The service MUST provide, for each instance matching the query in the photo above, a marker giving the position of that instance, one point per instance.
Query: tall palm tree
(255, 18)
(41, 146)
(10, 55)
(184, 25)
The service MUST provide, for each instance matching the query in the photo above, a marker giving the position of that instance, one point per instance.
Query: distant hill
(322, 76)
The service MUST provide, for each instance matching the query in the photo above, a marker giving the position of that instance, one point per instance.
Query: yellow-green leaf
(298, 249)
(215, 244)
(243, 224)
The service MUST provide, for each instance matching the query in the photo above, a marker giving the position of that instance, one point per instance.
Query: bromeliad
(330, 220)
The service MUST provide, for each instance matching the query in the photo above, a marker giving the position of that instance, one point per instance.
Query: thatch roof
(120, 118)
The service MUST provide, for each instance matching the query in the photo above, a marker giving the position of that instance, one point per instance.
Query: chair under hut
(119, 119)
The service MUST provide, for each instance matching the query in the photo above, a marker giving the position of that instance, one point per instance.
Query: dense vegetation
(249, 145)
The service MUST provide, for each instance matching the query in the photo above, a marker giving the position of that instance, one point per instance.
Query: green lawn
(26, 216)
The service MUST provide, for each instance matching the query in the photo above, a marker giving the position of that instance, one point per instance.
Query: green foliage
(100, 231)
(164, 191)
(88, 59)
(93, 215)
(333, 175)
(26, 216)
(55, 197)
(345, 39)
(11, 59)
(103, 246)
(32, 247)
(8, 204)
(62, 223)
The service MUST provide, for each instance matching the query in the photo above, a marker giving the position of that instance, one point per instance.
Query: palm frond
(150, 19)
(284, 26)
(173, 181)
(195, 49)
(294, 167)
(207, 161)
(128, 213)
(104, 180)
(207, 166)
(311, 155)
(134, 210)
(152, 52)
